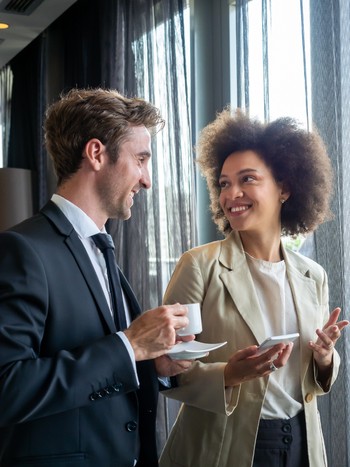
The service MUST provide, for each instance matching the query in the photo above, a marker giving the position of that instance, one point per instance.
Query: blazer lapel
(305, 298)
(239, 284)
(65, 228)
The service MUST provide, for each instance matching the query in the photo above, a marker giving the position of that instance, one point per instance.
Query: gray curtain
(330, 98)
(6, 79)
(162, 225)
(330, 36)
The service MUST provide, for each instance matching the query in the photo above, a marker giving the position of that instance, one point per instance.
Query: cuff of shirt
(165, 381)
(130, 351)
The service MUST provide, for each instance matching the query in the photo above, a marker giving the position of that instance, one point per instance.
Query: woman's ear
(285, 193)
(95, 153)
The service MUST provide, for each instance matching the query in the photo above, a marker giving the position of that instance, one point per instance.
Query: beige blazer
(217, 428)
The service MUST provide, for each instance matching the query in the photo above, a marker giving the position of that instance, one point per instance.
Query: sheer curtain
(330, 36)
(162, 225)
(319, 82)
(6, 79)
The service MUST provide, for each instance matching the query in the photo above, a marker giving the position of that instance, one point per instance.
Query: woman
(264, 181)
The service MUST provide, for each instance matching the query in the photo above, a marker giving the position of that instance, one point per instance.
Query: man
(74, 389)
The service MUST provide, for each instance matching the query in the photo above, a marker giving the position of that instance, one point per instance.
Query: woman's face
(250, 196)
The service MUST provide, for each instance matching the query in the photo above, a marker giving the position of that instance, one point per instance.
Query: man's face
(119, 182)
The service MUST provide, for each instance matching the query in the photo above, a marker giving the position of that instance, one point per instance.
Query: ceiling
(27, 19)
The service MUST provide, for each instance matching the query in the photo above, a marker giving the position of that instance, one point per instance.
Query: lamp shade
(16, 200)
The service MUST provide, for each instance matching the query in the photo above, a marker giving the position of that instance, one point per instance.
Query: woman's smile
(250, 196)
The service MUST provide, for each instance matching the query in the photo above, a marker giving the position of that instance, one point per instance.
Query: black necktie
(105, 243)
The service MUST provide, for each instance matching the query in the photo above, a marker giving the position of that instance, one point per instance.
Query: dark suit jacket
(68, 393)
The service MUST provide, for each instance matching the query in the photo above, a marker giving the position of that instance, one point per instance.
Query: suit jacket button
(116, 387)
(131, 426)
(93, 396)
(308, 397)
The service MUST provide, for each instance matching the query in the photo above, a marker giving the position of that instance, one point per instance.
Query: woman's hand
(245, 364)
(327, 337)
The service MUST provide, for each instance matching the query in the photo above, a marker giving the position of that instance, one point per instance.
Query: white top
(283, 398)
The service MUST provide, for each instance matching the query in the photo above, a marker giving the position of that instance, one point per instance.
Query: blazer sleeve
(34, 383)
(336, 357)
(201, 386)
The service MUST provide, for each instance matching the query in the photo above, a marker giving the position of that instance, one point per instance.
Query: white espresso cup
(195, 320)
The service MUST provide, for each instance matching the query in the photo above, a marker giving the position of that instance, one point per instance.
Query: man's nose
(145, 179)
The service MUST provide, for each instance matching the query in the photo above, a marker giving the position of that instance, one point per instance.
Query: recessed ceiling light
(3, 26)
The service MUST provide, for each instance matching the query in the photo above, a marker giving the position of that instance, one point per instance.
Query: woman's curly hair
(296, 157)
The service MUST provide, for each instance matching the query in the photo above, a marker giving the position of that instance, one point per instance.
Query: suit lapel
(65, 228)
(134, 307)
(239, 284)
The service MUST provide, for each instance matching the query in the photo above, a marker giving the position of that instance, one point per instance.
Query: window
(277, 59)
(274, 65)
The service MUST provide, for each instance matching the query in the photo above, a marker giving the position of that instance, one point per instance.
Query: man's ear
(95, 153)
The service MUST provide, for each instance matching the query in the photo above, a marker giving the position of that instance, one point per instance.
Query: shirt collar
(82, 223)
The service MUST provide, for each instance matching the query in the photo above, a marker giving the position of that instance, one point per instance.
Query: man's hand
(165, 366)
(154, 332)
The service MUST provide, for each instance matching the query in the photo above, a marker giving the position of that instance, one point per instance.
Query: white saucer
(192, 350)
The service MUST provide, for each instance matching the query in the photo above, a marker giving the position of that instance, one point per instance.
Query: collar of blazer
(65, 228)
(303, 275)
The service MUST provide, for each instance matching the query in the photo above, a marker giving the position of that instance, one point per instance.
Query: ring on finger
(273, 367)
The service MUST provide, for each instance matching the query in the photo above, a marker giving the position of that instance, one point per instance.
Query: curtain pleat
(329, 96)
(330, 36)
(6, 80)
(162, 225)
(27, 110)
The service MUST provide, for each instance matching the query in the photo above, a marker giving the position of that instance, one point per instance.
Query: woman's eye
(222, 184)
(248, 178)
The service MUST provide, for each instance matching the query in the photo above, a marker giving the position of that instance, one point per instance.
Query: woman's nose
(236, 191)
